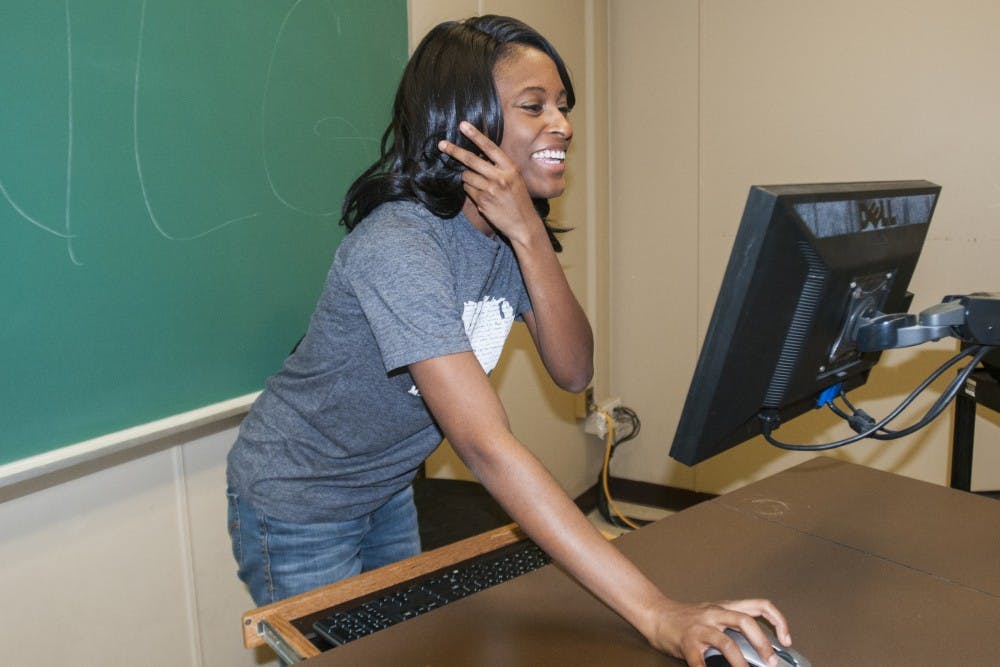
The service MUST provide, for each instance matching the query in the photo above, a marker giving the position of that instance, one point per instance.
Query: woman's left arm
(557, 323)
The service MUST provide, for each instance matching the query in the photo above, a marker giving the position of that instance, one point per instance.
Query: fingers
(497, 158)
(739, 615)
(496, 187)
(467, 158)
(777, 619)
(490, 149)
(767, 610)
(714, 637)
(747, 624)
(760, 641)
(476, 176)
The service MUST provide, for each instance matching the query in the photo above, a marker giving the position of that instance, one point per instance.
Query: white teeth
(549, 154)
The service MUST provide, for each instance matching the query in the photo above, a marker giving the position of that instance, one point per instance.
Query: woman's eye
(532, 108)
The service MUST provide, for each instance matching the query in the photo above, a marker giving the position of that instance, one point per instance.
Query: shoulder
(395, 224)
(399, 218)
(396, 232)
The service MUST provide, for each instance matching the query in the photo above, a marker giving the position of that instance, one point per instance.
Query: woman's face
(536, 129)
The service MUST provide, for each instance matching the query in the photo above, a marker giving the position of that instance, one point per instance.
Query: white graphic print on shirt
(487, 325)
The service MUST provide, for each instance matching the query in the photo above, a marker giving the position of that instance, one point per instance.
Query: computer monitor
(808, 265)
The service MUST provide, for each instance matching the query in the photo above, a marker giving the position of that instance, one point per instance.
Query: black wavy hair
(448, 79)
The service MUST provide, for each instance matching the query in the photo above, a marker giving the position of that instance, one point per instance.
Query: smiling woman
(448, 248)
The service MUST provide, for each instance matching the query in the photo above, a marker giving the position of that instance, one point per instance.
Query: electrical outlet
(609, 404)
(595, 423)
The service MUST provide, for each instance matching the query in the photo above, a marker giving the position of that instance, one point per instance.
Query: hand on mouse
(687, 630)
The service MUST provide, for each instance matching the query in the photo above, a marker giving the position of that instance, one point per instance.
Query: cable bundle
(866, 427)
(605, 503)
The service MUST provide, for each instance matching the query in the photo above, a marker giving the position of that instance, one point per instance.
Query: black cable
(837, 411)
(942, 402)
(969, 351)
(633, 417)
(860, 417)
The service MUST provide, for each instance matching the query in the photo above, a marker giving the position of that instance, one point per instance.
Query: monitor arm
(973, 318)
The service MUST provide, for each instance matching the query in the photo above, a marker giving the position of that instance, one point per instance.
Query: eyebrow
(540, 89)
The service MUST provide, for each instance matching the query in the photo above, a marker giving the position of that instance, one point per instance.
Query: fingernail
(465, 126)
(773, 661)
(442, 145)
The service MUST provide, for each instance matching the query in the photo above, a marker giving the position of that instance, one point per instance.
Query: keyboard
(384, 609)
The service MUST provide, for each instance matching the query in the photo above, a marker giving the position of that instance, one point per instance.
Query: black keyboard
(386, 608)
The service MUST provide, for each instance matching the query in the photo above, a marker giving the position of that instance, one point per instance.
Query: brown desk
(871, 569)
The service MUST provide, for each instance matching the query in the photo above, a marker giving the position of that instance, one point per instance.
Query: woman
(448, 246)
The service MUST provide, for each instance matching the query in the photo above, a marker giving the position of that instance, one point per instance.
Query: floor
(450, 510)
(631, 511)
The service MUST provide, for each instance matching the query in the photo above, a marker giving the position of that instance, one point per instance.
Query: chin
(549, 191)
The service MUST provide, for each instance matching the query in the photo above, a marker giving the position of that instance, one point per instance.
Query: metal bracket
(287, 654)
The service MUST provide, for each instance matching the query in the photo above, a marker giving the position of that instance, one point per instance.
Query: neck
(476, 218)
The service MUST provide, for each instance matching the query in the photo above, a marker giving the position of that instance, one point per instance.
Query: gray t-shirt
(342, 427)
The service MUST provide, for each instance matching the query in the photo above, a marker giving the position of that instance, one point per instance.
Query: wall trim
(112, 443)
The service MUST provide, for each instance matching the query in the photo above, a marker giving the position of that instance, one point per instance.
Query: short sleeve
(404, 283)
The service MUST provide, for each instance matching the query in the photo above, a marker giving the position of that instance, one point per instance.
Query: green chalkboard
(171, 174)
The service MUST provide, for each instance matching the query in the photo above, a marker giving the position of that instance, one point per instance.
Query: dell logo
(875, 214)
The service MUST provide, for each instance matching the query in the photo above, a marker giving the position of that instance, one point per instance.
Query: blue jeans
(278, 559)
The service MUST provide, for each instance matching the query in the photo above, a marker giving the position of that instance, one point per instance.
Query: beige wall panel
(425, 14)
(221, 597)
(814, 91)
(92, 570)
(654, 224)
(712, 97)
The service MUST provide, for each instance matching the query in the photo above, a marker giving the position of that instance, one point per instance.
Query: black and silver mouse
(787, 657)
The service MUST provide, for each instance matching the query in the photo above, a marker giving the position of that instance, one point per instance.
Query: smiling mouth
(549, 156)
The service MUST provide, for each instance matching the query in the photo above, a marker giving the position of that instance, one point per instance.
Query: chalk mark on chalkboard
(316, 127)
(138, 161)
(69, 136)
(263, 131)
(319, 131)
(67, 235)
(27, 216)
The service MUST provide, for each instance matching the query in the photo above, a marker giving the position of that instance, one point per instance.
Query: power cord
(605, 503)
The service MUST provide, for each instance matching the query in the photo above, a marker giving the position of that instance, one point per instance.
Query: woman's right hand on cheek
(494, 184)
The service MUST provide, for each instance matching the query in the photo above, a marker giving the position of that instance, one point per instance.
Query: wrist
(654, 624)
(530, 237)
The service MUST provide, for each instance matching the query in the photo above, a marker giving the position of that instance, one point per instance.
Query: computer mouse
(787, 657)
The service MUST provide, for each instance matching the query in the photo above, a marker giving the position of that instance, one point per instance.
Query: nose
(560, 124)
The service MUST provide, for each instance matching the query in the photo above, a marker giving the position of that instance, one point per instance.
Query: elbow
(577, 381)
(576, 387)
